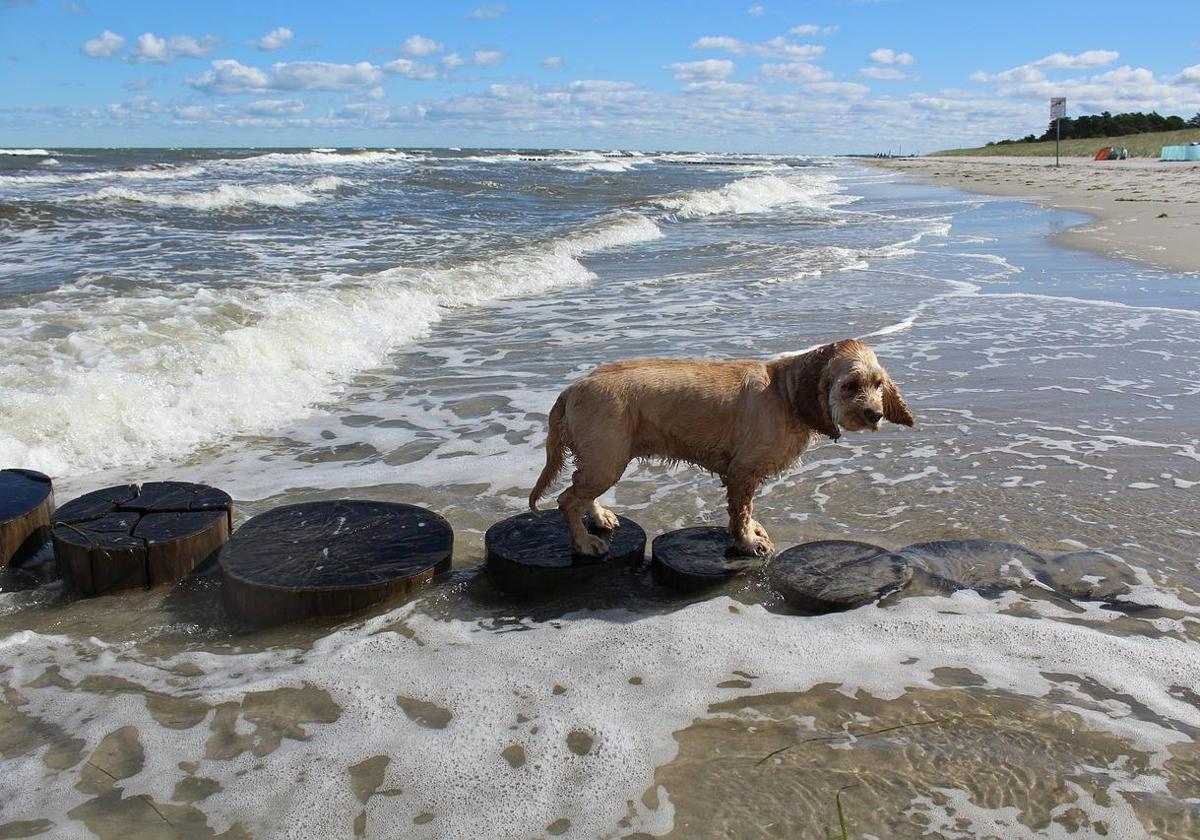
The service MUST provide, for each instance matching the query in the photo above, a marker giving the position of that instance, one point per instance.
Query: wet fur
(745, 421)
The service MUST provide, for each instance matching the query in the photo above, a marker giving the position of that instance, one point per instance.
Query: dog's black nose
(872, 415)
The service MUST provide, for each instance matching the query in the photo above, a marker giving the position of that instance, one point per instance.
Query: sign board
(1058, 107)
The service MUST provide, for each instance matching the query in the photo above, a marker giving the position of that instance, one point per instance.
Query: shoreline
(1126, 200)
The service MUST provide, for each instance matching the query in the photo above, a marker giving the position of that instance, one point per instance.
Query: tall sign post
(1058, 110)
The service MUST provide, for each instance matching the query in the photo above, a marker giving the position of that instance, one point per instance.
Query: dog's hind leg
(596, 471)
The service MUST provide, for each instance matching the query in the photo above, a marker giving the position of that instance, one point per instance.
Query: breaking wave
(227, 196)
(756, 194)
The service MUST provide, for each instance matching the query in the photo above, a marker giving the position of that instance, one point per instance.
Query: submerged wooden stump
(530, 554)
(987, 566)
(1089, 575)
(26, 502)
(696, 558)
(129, 536)
(330, 559)
(833, 575)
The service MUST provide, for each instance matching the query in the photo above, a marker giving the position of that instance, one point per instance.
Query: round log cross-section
(530, 554)
(330, 559)
(128, 536)
(26, 502)
(696, 558)
(833, 575)
(987, 566)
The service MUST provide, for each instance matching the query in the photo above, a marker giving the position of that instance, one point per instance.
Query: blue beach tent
(1190, 152)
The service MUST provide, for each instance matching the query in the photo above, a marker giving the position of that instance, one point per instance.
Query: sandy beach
(1144, 210)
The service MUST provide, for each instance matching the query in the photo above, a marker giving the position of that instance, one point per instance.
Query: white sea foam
(227, 196)
(25, 152)
(157, 393)
(535, 688)
(756, 194)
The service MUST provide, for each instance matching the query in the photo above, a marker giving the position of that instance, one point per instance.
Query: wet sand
(1144, 210)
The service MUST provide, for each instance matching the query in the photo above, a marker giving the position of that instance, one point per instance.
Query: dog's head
(857, 392)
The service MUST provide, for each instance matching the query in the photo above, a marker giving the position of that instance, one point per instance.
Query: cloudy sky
(819, 76)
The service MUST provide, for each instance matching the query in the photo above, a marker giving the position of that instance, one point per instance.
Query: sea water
(394, 324)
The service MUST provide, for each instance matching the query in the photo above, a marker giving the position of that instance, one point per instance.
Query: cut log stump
(696, 558)
(987, 566)
(834, 575)
(128, 536)
(330, 559)
(26, 503)
(530, 554)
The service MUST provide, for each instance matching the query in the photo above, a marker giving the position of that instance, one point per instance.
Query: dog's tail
(556, 448)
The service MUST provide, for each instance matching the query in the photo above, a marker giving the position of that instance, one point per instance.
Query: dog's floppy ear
(824, 422)
(895, 408)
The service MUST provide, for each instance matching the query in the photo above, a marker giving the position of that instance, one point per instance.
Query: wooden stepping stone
(696, 558)
(131, 536)
(1087, 575)
(834, 575)
(987, 566)
(530, 554)
(26, 502)
(330, 559)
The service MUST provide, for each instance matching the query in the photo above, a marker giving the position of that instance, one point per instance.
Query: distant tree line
(1108, 125)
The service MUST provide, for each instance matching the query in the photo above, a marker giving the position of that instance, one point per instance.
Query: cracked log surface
(26, 502)
(330, 559)
(530, 554)
(696, 558)
(131, 536)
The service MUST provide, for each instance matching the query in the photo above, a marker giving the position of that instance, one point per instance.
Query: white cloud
(152, 49)
(719, 90)
(275, 39)
(1082, 61)
(489, 12)
(419, 45)
(1189, 75)
(274, 107)
(229, 76)
(410, 69)
(808, 30)
(709, 69)
(883, 73)
(778, 47)
(140, 84)
(488, 58)
(883, 55)
(756, 10)
(594, 85)
(553, 62)
(107, 45)
(796, 72)
(453, 61)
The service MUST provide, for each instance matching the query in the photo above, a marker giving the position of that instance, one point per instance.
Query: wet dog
(745, 421)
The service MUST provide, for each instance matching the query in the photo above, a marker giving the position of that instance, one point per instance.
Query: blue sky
(835, 76)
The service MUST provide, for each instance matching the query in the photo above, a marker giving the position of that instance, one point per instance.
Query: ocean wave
(165, 173)
(163, 375)
(227, 196)
(25, 152)
(323, 157)
(756, 194)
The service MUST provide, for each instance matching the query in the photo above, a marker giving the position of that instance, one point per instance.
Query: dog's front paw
(756, 544)
(605, 519)
(591, 546)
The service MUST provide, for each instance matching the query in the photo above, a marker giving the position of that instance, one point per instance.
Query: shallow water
(294, 326)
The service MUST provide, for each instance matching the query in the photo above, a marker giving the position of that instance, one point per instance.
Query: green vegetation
(1139, 145)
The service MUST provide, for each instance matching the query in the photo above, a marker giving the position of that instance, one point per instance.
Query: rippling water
(395, 324)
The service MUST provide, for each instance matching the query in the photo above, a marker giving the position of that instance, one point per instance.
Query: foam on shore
(547, 690)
